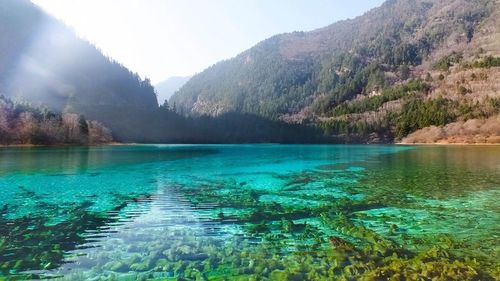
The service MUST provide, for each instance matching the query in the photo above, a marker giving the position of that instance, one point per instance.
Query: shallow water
(250, 212)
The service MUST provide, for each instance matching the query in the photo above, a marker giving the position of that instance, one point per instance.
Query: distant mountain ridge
(165, 89)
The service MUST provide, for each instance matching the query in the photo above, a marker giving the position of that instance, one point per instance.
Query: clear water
(250, 212)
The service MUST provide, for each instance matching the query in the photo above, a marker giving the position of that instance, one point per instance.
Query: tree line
(21, 123)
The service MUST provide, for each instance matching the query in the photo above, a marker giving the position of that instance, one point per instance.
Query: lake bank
(63, 145)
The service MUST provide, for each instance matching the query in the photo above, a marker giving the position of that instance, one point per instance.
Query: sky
(163, 38)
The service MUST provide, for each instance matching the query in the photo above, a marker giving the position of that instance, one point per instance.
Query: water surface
(250, 212)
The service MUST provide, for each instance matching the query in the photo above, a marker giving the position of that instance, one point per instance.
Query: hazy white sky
(163, 38)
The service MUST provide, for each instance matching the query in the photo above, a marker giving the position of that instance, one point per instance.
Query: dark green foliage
(495, 102)
(418, 113)
(351, 130)
(167, 126)
(415, 114)
(475, 110)
(487, 62)
(404, 72)
(83, 126)
(352, 83)
(374, 102)
(462, 90)
(281, 84)
(445, 63)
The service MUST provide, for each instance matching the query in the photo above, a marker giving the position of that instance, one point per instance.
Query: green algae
(40, 244)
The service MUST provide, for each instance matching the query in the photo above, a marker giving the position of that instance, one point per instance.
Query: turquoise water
(250, 212)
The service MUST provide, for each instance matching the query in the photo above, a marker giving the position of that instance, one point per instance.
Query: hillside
(376, 78)
(50, 73)
(44, 63)
(165, 89)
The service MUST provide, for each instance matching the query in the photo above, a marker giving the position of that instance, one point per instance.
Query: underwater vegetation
(37, 243)
(366, 219)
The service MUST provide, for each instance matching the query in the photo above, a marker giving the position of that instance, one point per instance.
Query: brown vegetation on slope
(461, 132)
(21, 124)
(477, 89)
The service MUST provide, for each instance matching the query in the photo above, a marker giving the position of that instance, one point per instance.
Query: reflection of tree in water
(74, 160)
(432, 172)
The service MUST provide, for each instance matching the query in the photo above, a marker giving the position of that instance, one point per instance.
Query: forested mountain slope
(378, 77)
(44, 63)
(47, 73)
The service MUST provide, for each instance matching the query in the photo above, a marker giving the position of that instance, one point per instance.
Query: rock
(143, 266)
(340, 243)
(117, 266)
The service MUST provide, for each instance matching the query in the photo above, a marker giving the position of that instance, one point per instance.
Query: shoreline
(127, 144)
(61, 145)
(448, 143)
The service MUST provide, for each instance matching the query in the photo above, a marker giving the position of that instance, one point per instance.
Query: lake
(250, 212)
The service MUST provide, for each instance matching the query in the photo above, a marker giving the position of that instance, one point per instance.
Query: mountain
(399, 68)
(44, 63)
(166, 88)
(52, 80)
(410, 71)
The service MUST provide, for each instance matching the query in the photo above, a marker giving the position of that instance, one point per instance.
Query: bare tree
(98, 134)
